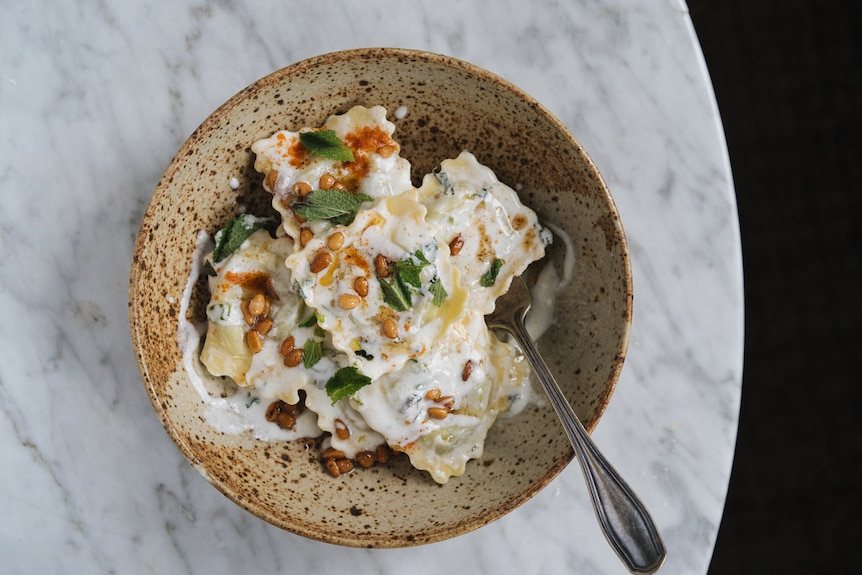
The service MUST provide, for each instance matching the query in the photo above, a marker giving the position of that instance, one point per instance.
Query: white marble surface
(95, 98)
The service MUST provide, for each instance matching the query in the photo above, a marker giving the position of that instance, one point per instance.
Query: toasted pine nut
(344, 465)
(246, 314)
(438, 412)
(263, 326)
(335, 241)
(341, 429)
(332, 467)
(273, 410)
(326, 182)
(332, 453)
(257, 306)
(320, 262)
(433, 394)
(348, 300)
(285, 420)
(468, 369)
(365, 459)
(381, 264)
(287, 345)
(387, 150)
(447, 401)
(390, 328)
(293, 358)
(456, 244)
(301, 189)
(360, 286)
(382, 454)
(269, 181)
(254, 341)
(338, 186)
(305, 236)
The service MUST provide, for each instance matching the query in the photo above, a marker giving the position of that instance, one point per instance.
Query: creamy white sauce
(549, 285)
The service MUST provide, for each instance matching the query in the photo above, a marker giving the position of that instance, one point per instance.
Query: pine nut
(348, 300)
(332, 468)
(254, 341)
(447, 401)
(341, 429)
(269, 181)
(320, 262)
(246, 314)
(360, 286)
(382, 454)
(335, 241)
(287, 345)
(338, 186)
(344, 465)
(438, 412)
(455, 245)
(387, 150)
(365, 459)
(468, 369)
(293, 358)
(273, 410)
(263, 326)
(382, 265)
(390, 328)
(332, 453)
(285, 420)
(305, 236)
(257, 306)
(432, 394)
(291, 408)
(301, 189)
(326, 182)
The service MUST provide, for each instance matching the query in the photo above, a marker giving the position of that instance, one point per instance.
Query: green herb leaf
(312, 351)
(309, 321)
(408, 269)
(326, 144)
(396, 294)
(438, 292)
(237, 231)
(345, 383)
(490, 276)
(337, 206)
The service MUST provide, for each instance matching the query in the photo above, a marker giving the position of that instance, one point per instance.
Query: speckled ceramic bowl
(451, 106)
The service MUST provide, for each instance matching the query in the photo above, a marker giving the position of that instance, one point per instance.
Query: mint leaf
(309, 321)
(312, 351)
(326, 144)
(396, 294)
(238, 230)
(408, 269)
(438, 292)
(490, 276)
(345, 383)
(337, 206)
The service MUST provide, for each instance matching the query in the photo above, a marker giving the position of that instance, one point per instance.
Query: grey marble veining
(95, 98)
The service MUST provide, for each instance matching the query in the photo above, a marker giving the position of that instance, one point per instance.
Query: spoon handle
(626, 523)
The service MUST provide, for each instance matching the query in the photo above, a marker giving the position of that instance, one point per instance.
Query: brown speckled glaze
(452, 106)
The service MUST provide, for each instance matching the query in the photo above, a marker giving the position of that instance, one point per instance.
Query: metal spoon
(626, 523)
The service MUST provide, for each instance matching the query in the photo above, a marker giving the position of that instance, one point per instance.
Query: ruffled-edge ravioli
(469, 206)
(258, 267)
(394, 227)
(377, 170)
(470, 371)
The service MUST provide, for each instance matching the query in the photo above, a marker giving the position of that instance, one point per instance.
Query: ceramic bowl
(451, 106)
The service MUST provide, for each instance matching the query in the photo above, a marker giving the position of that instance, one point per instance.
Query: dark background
(787, 76)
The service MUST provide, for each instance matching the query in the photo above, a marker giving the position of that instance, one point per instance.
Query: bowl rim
(279, 76)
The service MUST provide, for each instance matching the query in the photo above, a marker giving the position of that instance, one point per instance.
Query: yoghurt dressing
(436, 342)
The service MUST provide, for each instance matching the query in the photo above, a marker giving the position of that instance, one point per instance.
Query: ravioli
(385, 282)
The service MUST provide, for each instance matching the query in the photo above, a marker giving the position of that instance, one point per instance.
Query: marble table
(95, 98)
